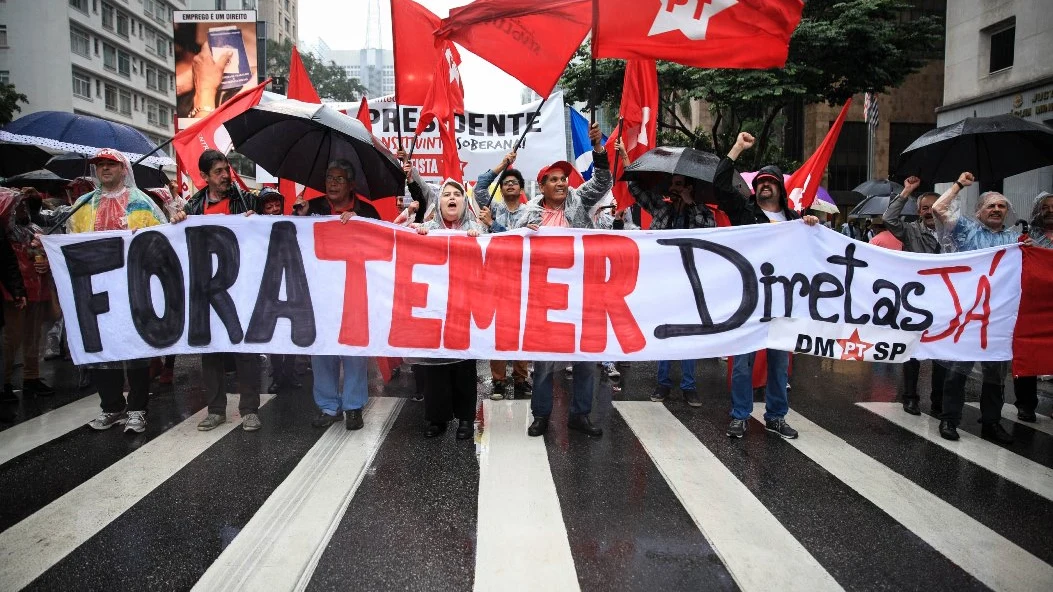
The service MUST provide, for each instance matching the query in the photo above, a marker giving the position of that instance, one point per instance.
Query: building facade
(997, 62)
(279, 18)
(373, 68)
(119, 66)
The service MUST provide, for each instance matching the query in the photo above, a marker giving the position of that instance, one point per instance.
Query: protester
(768, 204)
(986, 228)
(561, 206)
(270, 202)
(680, 206)
(884, 237)
(502, 214)
(11, 279)
(24, 324)
(117, 204)
(221, 197)
(917, 237)
(1040, 234)
(449, 387)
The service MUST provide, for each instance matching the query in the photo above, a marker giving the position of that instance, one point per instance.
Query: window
(156, 80)
(81, 5)
(109, 56)
(81, 86)
(126, 102)
(79, 42)
(848, 163)
(1002, 42)
(111, 97)
(124, 64)
(151, 41)
(902, 135)
(151, 113)
(122, 24)
(148, 7)
(5, 76)
(3, 35)
(107, 16)
(286, 25)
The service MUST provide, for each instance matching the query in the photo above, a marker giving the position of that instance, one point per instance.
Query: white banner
(316, 286)
(483, 138)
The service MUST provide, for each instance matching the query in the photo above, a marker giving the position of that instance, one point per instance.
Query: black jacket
(742, 211)
(239, 202)
(319, 206)
(10, 275)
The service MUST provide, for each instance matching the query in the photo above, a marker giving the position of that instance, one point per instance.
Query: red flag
(531, 40)
(415, 50)
(451, 159)
(804, 182)
(700, 33)
(446, 95)
(209, 132)
(639, 121)
(300, 87)
(1032, 355)
(363, 115)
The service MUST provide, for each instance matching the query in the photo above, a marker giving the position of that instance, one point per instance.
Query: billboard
(215, 58)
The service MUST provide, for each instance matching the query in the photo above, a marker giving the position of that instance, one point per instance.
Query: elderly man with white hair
(986, 228)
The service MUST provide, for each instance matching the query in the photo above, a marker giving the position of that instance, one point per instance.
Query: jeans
(687, 372)
(991, 391)
(776, 406)
(214, 375)
(584, 383)
(328, 394)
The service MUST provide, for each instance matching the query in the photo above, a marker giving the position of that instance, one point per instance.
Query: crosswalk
(662, 501)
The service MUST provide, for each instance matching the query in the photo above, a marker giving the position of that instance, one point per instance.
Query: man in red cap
(560, 206)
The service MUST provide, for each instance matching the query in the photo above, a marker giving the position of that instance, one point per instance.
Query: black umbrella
(878, 187)
(992, 148)
(42, 180)
(74, 164)
(296, 140)
(19, 158)
(654, 168)
(875, 205)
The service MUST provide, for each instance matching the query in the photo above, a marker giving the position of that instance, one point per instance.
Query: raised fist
(745, 140)
(966, 179)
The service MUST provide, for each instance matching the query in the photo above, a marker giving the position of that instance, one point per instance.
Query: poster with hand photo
(215, 58)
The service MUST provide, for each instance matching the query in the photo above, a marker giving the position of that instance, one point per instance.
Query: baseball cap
(560, 165)
(107, 154)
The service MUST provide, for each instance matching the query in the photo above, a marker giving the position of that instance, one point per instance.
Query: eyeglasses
(332, 179)
(510, 182)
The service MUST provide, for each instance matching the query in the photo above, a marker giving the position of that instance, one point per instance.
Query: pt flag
(531, 40)
(804, 182)
(363, 115)
(209, 132)
(638, 123)
(415, 50)
(700, 33)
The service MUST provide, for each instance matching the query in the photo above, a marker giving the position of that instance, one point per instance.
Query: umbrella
(61, 131)
(992, 148)
(879, 187)
(823, 202)
(19, 158)
(296, 140)
(654, 167)
(72, 164)
(875, 205)
(42, 180)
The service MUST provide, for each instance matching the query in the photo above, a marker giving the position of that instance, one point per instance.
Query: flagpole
(522, 137)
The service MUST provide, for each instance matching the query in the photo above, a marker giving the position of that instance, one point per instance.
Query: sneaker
(779, 426)
(737, 428)
(522, 390)
(498, 392)
(660, 393)
(35, 386)
(611, 370)
(251, 422)
(693, 398)
(418, 397)
(9, 394)
(353, 419)
(323, 420)
(211, 422)
(569, 369)
(106, 421)
(136, 422)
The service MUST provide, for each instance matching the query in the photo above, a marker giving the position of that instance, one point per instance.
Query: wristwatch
(959, 184)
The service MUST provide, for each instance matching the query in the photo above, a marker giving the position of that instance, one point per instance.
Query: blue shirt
(969, 235)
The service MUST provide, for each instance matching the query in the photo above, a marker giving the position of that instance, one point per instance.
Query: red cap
(106, 154)
(560, 165)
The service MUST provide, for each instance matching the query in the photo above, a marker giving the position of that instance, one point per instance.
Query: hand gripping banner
(317, 286)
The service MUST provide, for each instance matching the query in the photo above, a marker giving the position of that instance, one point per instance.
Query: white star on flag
(690, 17)
(455, 74)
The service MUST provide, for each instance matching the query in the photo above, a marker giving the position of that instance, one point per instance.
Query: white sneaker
(611, 370)
(136, 422)
(106, 421)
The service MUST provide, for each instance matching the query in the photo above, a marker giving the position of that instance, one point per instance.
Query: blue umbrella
(60, 130)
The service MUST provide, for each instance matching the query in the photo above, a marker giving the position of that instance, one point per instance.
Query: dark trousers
(283, 368)
(991, 391)
(213, 374)
(110, 383)
(1026, 389)
(449, 391)
(911, 372)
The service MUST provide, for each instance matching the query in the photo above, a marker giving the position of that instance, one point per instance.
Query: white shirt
(775, 216)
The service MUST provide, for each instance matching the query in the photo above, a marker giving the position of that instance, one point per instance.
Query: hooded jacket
(239, 202)
(465, 223)
(742, 211)
(579, 201)
(1038, 231)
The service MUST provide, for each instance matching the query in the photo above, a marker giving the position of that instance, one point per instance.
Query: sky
(342, 24)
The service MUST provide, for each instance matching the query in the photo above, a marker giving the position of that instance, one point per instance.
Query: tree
(839, 49)
(9, 100)
(329, 80)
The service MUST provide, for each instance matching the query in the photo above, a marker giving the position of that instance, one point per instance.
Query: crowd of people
(497, 204)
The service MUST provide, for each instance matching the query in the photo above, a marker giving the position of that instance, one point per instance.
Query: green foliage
(329, 80)
(9, 100)
(839, 49)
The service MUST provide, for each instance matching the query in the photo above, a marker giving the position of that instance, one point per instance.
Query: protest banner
(317, 286)
(482, 138)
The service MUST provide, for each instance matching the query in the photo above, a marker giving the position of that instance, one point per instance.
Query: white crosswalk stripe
(1005, 463)
(35, 544)
(983, 553)
(20, 439)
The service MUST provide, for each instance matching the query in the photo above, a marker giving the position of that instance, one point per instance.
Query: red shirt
(887, 240)
(220, 207)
